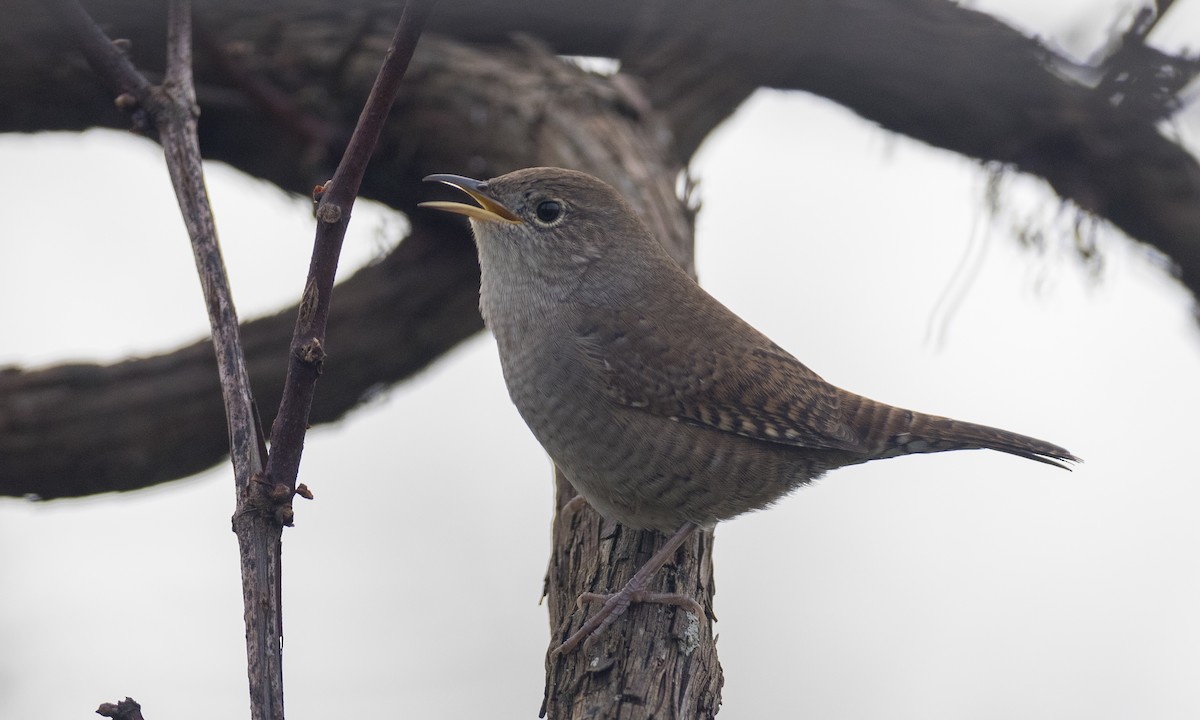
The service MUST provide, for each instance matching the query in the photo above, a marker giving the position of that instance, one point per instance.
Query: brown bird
(663, 408)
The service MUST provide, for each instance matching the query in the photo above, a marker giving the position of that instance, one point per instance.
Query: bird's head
(549, 225)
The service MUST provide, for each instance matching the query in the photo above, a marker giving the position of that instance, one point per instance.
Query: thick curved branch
(925, 67)
(930, 69)
(954, 78)
(82, 429)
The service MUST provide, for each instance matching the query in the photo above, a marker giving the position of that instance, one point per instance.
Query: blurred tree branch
(949, 76)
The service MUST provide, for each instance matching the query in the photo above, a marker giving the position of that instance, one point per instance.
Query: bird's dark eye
(548, 211)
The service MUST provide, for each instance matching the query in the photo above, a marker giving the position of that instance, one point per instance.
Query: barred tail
(893, 431)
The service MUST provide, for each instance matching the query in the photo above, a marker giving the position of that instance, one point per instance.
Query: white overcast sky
(964, 585)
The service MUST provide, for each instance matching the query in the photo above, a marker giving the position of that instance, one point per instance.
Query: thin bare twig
(260, 545)
(172, 106)
(173, 110)
(333, 215)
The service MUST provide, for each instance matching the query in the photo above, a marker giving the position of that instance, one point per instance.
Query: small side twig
(107, 59)
(335, 201)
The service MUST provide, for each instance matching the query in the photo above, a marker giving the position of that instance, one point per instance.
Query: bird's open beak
(488, 208)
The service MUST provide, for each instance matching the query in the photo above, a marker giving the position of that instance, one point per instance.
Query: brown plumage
(662, 407)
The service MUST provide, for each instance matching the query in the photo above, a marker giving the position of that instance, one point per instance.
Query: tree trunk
(656, 661)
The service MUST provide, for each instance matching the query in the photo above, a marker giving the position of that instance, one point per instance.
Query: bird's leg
(617, 603)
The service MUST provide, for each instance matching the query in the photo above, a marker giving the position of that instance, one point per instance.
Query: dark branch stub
(127, 709)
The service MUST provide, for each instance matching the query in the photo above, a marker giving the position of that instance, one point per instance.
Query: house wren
(663, 408)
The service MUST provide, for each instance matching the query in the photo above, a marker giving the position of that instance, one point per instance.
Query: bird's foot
(615, 605)
(644, 596)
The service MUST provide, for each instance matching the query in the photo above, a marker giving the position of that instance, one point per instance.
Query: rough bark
(656, 661)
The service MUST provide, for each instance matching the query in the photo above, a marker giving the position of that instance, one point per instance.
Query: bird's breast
(641, 469)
